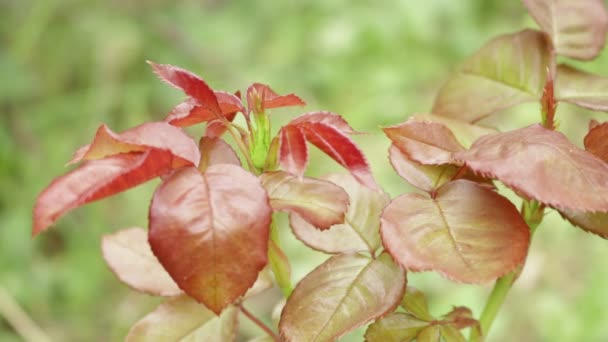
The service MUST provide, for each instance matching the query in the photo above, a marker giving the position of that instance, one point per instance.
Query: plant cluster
(212, 239)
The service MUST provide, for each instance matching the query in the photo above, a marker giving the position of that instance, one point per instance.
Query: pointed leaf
(219, 223)
(596, 141)
(424, 177)
(216, 128)
(581, 88)
(460, 317)
(97, 179)
(577, 28)
(467, 233)
(465, 132)
(261, 97)
(431, 333)
(340, 148)
(451, 334)
(359, 232)
(191, 84)
(424, 142)
(183, 319)
(128, 254)
(216, 151)
(191, 112)
(395, 327)
(158, 135)
(544, 165)
(293, 152)
(328, 118)
(596, 223)
(414, 302)
(319, 202)
(507, 71)
(346, 291)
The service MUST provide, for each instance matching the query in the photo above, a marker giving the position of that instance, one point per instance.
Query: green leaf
(577, 28)
(395, 327)
(183, 319)
(593, 222)
(451, 334)
(467, 232)
(581, 88)
(359, 232)
(414, 302)
(346, 291)
(430, 334)
(509, 70)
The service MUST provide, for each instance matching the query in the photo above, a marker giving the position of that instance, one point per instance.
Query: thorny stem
(260, 324)
(533, 213)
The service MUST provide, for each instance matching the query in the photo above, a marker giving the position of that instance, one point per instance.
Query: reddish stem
(260, 324)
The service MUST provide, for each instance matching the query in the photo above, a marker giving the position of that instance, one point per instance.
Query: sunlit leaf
(183, 319)
(395, 327)
(97, 179)
(414, 302)
(210, 232)
(189, 83)
(431, 333)
(158, 135)
(596, 141)
(467, 232)
(424, 142)
(508, 70)
(596, 223)
(346, 291)
(340, 148)
(359, 232)
(128, 254)
(191, 112)
(465, 132)
(577, 28)
(328, 118)
(216, 151)
(261, 97)
(451, 334)
(293, 151)
(581, 88)
(544, 165)
(319, 202)
(423, 177)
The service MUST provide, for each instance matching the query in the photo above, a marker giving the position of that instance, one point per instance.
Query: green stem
(278, 262)
(533, 213)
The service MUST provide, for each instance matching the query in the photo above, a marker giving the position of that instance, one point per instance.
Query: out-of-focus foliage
(68, 65)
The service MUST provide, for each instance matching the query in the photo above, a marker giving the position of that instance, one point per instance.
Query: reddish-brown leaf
(128, 254)
(425, 142)
(261, 97)
(509, 70)
(328, 118)
(191, 112)
(189, 83)
(293, 151)
(210, 232)
(424, 177)
(216, 151)
(596, 223)
(340, 148)
(596, 141)
(97, 179)
(319, 202)
(217, 127)
(581, 88)
(577, 28)
(467, 232)
(542, 164)
(465, 132)
(159, 135)
(346, 291)
(359, 232)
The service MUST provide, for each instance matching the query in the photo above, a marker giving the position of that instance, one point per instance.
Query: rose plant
(212, 242)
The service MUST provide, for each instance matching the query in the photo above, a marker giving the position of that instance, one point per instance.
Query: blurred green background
(68, 65)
